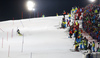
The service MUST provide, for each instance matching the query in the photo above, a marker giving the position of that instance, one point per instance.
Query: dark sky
(13, 8)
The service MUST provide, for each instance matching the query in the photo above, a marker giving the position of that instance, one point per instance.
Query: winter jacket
(69, 15)
(99, 37)
(73, 9)
(89, 47)
(64, 13)
(80, 10)
(70, 32)
(96, 11)
(93, 21)
(93, 44)
(87, 11)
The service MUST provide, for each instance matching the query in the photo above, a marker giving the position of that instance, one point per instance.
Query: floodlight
(30, 5)
(92, 0)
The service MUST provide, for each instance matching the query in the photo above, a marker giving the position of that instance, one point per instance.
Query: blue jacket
(77, 40)
(99, 37)
(93, 21)
(94, 17)
(80, 9)
(97, 32)
(87, 10)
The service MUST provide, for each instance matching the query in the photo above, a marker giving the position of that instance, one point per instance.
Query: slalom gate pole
(7, 36)
(13, 20)
(8, 50)
(22, 46)
(38, 14)
(22, 23)
(34, 14)
(12, 33)
(22, 15)
(31, 55)
(41, 14)
(2, 42)
(23, 38)
(1, 30)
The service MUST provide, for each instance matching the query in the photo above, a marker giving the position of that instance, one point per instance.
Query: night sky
(14, 8)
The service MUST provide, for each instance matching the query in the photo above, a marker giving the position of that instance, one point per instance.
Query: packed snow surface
(42, 38)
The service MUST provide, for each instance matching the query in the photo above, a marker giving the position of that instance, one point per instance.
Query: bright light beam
(30, 5)
(33, 9)
(92, 0)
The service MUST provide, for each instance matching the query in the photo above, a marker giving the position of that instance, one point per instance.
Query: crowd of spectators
(91, 21)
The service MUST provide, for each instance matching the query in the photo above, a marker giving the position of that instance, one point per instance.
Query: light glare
(92, 0)
(30, 5)
(33, 9)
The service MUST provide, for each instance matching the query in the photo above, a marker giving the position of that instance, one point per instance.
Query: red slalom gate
(8, 50)
(2, 42)
(7, 36)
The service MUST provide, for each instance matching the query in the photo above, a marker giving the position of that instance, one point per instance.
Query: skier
(18, 31)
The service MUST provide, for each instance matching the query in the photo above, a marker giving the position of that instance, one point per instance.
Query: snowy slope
(42, 39)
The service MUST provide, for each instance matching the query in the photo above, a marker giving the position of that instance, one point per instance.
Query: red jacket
(79, 14)
(89, 21)
(70, 32)
(64, 13)
(90, 10)
(78, 11)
